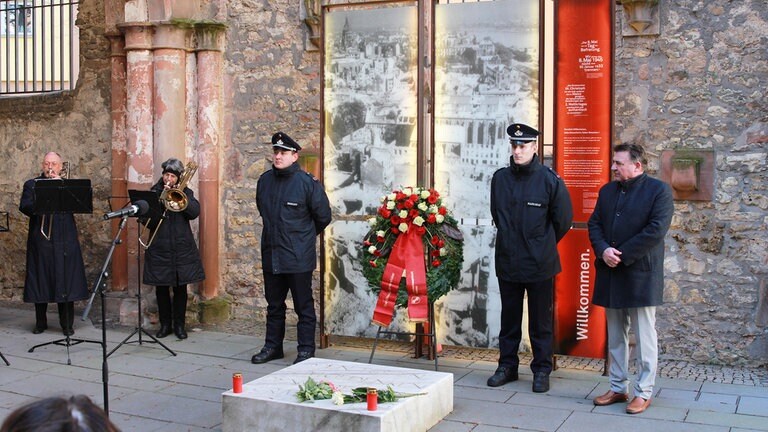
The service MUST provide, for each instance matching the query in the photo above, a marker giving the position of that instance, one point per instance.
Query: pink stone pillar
(209, 127)
(119, 156)
(139, 122)
(169, 94)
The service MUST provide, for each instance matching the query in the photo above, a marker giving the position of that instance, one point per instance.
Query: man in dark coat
(532, 211)
(295, 210)
(55, 269)
(172, 258)
(627, 230)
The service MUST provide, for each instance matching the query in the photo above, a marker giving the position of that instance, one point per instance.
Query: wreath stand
(420, 333)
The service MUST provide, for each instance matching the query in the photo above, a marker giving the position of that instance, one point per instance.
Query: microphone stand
(99, 287)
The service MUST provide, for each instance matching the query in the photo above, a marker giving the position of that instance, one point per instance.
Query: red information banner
(583, 83)
(583, 99)
(579, 325)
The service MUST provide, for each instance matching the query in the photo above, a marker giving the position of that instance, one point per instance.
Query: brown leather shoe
(609, 398)
(638, 405)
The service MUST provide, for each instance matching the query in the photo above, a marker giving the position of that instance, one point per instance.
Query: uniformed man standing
(295, 209)
(531, 208)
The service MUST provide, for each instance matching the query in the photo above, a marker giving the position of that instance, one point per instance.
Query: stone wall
(701, 84)
(273, 84)
(76, 124)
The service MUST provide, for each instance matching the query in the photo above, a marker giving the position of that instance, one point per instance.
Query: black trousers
(276, 287)
(178, 313)
(66, 314)
(540, 296)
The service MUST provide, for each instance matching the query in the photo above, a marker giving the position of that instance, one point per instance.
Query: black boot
(163, 295)
(180, 311)
(41, 318)
(67, 317)
(179, 331)
(165, 330)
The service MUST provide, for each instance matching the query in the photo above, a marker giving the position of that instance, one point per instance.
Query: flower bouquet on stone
(413, 242)
(312, 391)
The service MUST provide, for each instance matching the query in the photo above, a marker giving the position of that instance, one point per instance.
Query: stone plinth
(269, 403)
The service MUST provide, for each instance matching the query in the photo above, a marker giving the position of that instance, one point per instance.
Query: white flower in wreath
(372, 250)
(408, 191)
(372, 221)
(380, 233)
(443, 252)
(392, 197)
(439, 218)
(424, 194)
(403, 214)
(423, 206)
(418, 220)
(433, 209)
(403, 227)
(390, 205)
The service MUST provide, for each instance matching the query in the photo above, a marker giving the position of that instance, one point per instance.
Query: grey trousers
(643, 322)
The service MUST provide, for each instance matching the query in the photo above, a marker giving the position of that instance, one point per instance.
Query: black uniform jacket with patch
(294, 209)
(532, 210)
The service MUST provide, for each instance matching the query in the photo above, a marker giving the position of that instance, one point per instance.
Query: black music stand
(57, 196)
(4, 227)
(150, 220)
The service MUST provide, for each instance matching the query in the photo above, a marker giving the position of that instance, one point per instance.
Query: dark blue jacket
(294, 209)
(633, 217)
(532, 210)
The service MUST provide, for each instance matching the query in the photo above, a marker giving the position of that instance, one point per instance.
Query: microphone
(139, 208)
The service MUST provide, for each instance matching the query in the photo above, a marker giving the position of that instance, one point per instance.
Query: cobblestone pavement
(667, 368)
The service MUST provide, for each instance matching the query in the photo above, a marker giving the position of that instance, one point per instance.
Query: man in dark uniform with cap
(295, 209)
(532, 211)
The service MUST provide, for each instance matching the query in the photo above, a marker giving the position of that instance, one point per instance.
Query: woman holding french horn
(172, 258)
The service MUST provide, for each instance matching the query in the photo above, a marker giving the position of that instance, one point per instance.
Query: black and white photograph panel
(486, 78)
(349, 302)
(370, 105)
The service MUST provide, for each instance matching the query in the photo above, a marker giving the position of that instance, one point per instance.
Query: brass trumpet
(173, 199)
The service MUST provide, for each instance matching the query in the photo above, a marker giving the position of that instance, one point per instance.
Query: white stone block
(270, 404)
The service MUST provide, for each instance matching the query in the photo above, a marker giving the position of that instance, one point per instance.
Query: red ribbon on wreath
(405, 260)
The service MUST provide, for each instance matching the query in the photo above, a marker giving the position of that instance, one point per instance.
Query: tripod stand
(4, 228)
(53, 198)
(139, 329)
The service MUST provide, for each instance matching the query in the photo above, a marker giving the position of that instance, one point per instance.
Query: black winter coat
(295, 209)
(633, 217)
(55, 269)
(532, 210)
(173, 258)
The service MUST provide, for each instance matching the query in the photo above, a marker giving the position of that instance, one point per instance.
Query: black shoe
(179, 331)
(267, 354)
(540, 382)
(502, 376)
(303, 355)
(68, 331)
(165, 330)
(39, 328)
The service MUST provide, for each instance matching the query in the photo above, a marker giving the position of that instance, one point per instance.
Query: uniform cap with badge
(521, 134)
(281, 140)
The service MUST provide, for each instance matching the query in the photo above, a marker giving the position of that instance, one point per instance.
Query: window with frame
(39, 46)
